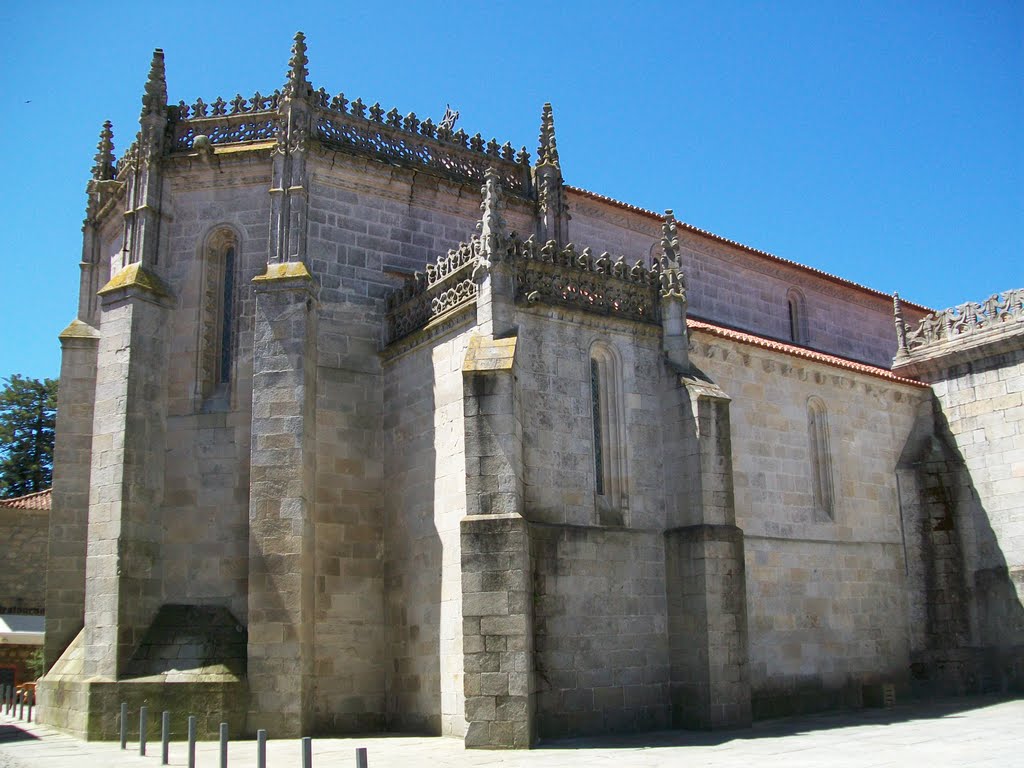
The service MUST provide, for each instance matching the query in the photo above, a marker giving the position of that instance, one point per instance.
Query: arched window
(608, 435)
(821, 459)
(797, 316)
(217, 312)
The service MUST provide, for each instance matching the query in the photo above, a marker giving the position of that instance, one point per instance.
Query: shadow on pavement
(12, 733)
(789, 726)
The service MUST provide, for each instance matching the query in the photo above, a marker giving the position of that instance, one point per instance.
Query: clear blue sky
(881, 141)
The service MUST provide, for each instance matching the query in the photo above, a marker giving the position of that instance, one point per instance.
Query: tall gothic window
(608, 435)
(797, 317)
(821, 459)
(217, 313)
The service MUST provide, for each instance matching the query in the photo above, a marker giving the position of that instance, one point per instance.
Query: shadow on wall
(965, 611)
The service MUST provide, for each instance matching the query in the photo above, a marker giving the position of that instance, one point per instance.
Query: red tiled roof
(39, 500)
(747, 248)
(795, 351)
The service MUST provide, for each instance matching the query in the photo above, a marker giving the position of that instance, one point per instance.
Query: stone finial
(104, 166)
(154, 100)
(901, 326)
(297, 84)
(669, 241)
(493, 233)
(547, 150)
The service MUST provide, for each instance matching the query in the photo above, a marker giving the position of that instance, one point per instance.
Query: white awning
(16, 629)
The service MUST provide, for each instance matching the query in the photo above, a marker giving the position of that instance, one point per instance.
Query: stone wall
(554, 378)
(426, 499)
(23, 559)
(826, 597)
(600, 628)
(966, 534)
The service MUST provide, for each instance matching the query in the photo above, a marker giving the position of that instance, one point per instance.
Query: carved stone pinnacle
(154, 100)
(547, 150)
(104, 165)
(669, 241)
(297, 83)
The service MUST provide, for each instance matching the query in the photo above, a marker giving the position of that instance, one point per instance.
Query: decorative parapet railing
(968, 332)
(226, 122)
(447, 285)
(407, 140)
(581, 280)
(357, 128)
(543, 273)
(962, 321)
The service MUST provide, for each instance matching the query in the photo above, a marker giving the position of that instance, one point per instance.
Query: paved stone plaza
(979, 731)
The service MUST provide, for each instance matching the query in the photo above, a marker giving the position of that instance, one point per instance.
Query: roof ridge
(791, 349)
(749, 248)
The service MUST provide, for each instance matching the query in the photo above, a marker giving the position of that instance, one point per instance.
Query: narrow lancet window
(821, 459)
(609, 435)
(217, 311)
(797, 321)
(595, 394)
(227, 315)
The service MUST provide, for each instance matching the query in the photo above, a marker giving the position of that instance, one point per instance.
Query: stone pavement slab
(980, 732)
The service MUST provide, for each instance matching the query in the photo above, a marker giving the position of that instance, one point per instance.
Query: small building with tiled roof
(24, 529)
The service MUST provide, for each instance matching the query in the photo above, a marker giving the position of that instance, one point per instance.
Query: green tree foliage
(28, 411)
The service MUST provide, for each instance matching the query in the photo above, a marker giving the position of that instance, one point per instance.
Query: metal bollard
(143, 716)
(21, 704)
(191, 741)
(307, 752)
(165, 738)
(223, 745)
(261, 748)
(124, 725)
(361, 760)
(31, 702)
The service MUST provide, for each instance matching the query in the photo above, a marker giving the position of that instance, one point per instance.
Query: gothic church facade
(368, 424)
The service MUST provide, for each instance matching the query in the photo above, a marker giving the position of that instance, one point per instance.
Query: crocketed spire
(297, 84)
(547, 151)
(154, 100)
(104, 165)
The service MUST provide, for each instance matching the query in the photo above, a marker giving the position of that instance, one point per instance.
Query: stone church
(370, 424)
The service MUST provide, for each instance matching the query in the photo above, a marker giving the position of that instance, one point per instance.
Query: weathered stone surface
(517, 496)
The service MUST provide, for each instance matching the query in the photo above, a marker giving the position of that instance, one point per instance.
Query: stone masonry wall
(981, 405)
(206, 504)
(424, 443)
(555, 383)
(600, 630)
(369, 224)
(23, 559)
(826, 597)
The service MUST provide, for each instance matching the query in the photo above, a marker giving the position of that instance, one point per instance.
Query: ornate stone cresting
(959, 333)
(351, 126)
(103, 167)
(965, 319)
(552, 211)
